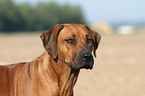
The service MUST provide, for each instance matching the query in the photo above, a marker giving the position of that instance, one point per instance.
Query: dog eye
(71, 41)
(89, 40)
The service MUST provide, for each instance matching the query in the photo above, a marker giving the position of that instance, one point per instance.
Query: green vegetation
(24, 17)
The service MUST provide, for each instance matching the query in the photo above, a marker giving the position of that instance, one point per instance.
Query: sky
(105, 10)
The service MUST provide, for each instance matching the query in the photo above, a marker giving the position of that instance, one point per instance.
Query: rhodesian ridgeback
(69, 48)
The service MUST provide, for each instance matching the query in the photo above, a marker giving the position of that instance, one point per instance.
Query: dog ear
(97, 41)
(49, 39)
(96, 38)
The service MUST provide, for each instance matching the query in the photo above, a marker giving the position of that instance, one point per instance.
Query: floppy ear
(49, 39)
(96, 38)
(97, 41)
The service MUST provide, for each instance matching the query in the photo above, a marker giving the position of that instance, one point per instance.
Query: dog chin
(78, 67)
(87, 67)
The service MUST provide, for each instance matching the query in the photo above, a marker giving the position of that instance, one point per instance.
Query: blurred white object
(126, 29)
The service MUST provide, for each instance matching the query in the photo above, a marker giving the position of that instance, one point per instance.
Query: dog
(69, 48)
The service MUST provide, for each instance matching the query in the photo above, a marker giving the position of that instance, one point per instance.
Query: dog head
(72, 44)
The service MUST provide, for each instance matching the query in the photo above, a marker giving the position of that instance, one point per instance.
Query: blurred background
(119, 68)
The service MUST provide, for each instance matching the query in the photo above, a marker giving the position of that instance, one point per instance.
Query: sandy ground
(119, 68)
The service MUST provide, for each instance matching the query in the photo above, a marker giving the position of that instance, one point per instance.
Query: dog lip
(77, 67)
(73, 67)
(87, 67)
(69, 64)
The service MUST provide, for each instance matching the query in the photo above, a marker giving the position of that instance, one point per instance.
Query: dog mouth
(83, 60)
(86, 65)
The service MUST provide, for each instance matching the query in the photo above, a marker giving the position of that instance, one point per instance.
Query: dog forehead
(74, 29)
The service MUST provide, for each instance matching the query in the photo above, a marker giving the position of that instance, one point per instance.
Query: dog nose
(87, 57)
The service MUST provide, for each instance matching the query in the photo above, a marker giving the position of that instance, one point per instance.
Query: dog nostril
(87, 57)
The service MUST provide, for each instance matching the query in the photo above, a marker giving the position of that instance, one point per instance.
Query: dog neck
(62, 74)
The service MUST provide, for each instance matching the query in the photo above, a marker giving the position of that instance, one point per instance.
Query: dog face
(72, 44)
